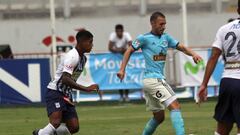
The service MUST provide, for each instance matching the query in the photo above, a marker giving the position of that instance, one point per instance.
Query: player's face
(158, 26)
(119, 33)
(87, 45)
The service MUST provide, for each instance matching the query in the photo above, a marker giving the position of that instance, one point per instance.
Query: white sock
(63, 130)
(48, 130)
(216, 133)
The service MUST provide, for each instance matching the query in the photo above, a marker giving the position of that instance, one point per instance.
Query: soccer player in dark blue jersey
(226, 44)
(63, 119)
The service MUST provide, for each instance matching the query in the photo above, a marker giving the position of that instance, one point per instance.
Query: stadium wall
(27, 36)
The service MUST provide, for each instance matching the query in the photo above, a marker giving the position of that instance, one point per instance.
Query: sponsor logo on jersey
(160, 57)
(136, 43)
(164, 43)
(57, 105)
(69, 67)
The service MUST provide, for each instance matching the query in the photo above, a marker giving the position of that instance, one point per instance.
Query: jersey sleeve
(128, 37)
(172, 43)
(69, 64)
(218, 41)
(139, 42)
(112, 37)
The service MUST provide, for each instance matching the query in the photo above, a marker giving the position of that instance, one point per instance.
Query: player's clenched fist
(121, 75)
(93, 87)
(202, 93)
(197, 58)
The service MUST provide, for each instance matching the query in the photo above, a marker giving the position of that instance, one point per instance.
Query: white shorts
(158, 94)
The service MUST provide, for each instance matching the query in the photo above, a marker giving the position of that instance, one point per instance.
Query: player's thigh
(152, 104)
(235, 96)
(55, 118)
(156, 93)
(224, 110)
(55, 106)
(72, 125)
(71, 119)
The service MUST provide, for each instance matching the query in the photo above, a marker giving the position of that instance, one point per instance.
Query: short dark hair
(238, 3)
(155, 15)
(82, 35)
(119, 26)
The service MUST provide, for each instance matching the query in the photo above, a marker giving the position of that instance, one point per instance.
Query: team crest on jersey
(164, 43)
(136, 43)
(57, 105)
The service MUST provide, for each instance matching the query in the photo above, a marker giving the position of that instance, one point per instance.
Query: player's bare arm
(129, 43)
(190, 52)
(209, 70)
(66, 79)
(126, 57)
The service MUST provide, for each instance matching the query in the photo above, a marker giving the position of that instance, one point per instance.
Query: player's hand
(202, 94)
(66, 99)
(121, 75)
(93, 87)
(197, 58)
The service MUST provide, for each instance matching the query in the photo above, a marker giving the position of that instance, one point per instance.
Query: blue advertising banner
(23, 80)
(104, 68)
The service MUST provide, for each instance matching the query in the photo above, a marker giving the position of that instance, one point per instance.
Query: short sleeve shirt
(71, 63)
(120, 42)
(154, 45)
(228, 41)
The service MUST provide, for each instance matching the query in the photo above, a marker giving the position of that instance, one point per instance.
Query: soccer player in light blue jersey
(158, 94)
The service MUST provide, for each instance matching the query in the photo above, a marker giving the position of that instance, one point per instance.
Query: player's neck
(80, 51)
(155, 33)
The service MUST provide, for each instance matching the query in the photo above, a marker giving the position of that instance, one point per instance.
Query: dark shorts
(55, 103)
(228, 106)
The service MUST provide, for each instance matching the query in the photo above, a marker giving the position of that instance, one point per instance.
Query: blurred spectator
(118, 43)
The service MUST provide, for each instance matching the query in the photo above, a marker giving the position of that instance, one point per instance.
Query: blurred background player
(227, 110)
(118, 43)
(58, 97)
(158, 93)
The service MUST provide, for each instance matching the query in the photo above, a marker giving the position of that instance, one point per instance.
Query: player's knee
(174, 105)
(56, 124)
(74, 129)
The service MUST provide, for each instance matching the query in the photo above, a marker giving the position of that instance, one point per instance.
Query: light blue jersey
(154, 49)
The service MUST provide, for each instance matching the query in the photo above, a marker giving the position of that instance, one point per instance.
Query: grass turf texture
(113, 119)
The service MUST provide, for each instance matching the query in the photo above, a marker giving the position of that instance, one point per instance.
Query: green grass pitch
(114, 119)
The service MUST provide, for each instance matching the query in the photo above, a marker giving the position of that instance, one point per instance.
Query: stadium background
(25, 26)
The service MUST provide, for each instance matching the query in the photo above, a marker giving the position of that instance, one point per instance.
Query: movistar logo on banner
(104, 68)
(189, 68)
